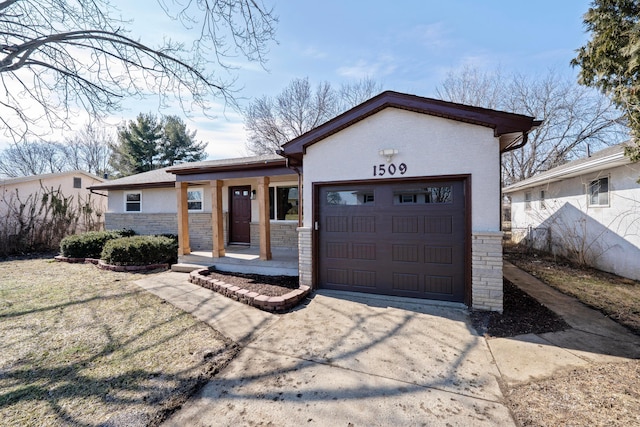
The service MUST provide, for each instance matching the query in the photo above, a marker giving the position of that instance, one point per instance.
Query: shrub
(90, 244)
(140, 250)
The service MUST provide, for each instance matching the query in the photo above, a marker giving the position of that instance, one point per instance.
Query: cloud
(433, 36)
(380, 67)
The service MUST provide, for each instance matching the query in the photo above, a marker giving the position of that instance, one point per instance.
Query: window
(283, 203)
(433, 194)
(527, 201)
(598, 192)
(194, 199)
(350, 197)
(543, 204)
(133, 202)
(77, 182)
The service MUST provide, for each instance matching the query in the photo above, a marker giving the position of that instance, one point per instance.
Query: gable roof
(503, 124)
(604, 159)
(46, 176)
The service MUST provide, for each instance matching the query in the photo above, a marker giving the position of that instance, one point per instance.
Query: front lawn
(83, 346)
(615, 296)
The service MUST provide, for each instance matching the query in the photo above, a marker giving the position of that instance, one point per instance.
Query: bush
(90, 244)
(140, 250)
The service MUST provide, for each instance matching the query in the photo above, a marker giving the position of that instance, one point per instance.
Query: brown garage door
(404, 239)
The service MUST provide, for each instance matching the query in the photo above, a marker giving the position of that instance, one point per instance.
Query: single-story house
(398, 196)
(16, 191)
(587, 209)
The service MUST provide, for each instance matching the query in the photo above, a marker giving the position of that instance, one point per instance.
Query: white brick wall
(305, 263)
(486, 271)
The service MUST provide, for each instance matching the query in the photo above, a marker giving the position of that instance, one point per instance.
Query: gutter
(594, 165)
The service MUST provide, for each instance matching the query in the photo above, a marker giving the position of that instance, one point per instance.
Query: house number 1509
(391, 169)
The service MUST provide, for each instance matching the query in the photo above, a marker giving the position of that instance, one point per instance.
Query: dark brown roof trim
(262, 164)
(501, 122)
(134, 186)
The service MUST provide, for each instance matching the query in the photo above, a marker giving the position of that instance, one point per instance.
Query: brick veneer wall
(486, 271)
(283, 234)
(305, 262)
(200, 233)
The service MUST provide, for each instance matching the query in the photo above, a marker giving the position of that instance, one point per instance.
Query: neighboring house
(72, 185)
(587, 209)
(400, 196)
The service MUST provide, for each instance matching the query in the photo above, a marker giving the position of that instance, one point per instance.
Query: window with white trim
(133, 201)
(543, 203)
(77, 182)
(598, 192)
(527, 201)
(195, 199)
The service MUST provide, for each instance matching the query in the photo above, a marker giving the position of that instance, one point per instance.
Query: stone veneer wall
(486, 271)
(200, 233)
(283, 235)
(305, 253)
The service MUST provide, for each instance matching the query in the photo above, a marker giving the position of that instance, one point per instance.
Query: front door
(240, 215)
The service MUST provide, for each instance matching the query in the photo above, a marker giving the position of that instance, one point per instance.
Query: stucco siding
(607, 237)
(428, 146)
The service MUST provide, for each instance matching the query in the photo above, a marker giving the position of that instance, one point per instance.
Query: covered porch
(217, 207)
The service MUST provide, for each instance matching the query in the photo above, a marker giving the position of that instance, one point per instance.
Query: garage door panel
(438, 224)
(338, 250)
(365, 251)
(404, 224)
(336, 224)
(379, 239)
(439, 285)
(363, 224)
(438, 254)
(405, 253)
(406, 282)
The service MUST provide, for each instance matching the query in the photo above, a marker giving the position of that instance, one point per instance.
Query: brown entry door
(404, 239)
(240, 215)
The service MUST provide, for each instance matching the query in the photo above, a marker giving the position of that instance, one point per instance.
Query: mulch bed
(522, 315)
(273, 286)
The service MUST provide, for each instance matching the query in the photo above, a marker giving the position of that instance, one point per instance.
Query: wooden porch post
(183, 218)
(217, 219)
(265, 225)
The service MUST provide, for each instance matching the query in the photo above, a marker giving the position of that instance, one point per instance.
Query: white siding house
(587, 210)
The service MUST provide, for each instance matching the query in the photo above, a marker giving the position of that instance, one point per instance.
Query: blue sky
(406, 46)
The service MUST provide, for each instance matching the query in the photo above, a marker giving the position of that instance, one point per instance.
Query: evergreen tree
(150, 143)
(610, 61)
(138, 145)
(178, 145)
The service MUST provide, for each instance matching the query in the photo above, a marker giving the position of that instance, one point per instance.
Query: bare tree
(60, 54)
(575, 118)
(32, 158)
(90, 149)
(272, 122)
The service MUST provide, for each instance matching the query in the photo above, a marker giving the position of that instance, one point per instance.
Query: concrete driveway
(343, 359)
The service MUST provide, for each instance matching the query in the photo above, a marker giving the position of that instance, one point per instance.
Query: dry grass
(615, 296)
(82, 346)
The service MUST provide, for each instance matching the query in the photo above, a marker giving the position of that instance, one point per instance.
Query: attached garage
(401, 196)
(403, 238)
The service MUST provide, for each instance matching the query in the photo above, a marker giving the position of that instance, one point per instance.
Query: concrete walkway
(593, 337)
(351, 359)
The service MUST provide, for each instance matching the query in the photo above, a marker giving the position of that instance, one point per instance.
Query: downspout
(92, 191)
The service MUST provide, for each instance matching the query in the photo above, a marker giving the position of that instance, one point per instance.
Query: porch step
(182, 267)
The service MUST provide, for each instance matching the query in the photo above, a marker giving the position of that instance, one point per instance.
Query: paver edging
(269, 303)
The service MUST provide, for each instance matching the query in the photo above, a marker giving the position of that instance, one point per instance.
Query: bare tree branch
(60, 55)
